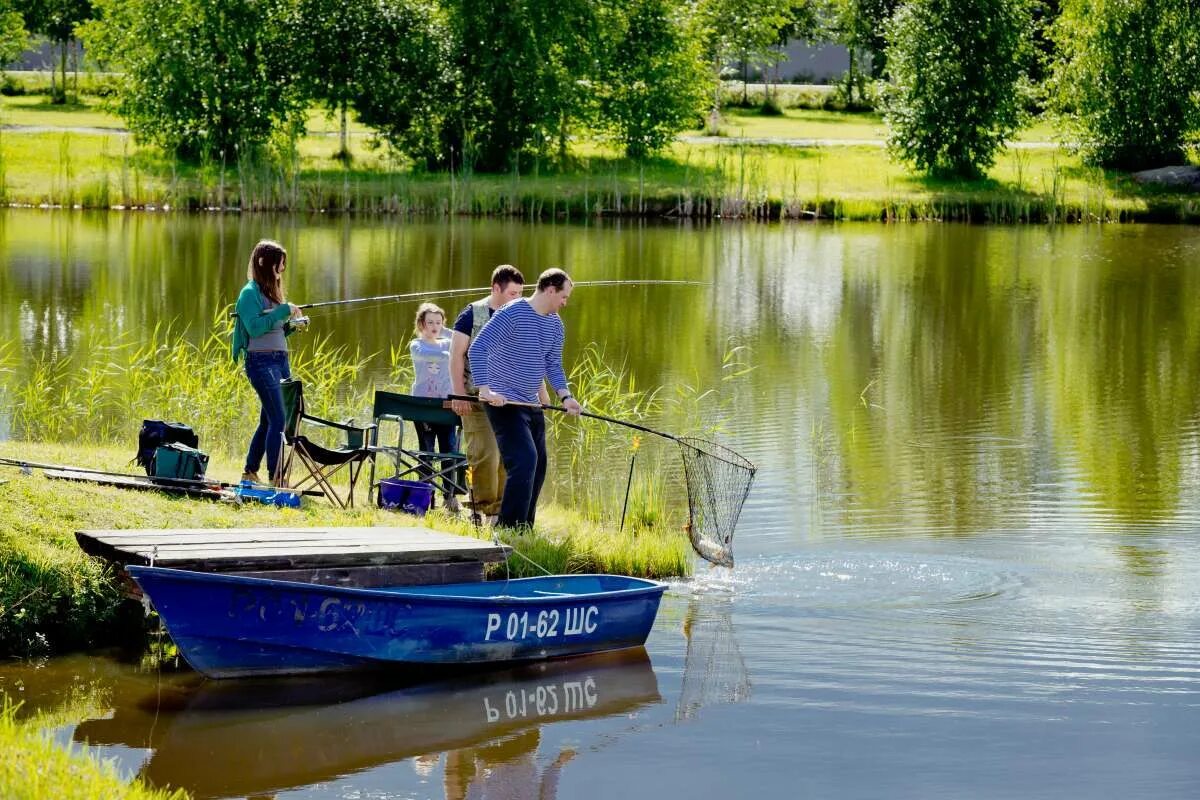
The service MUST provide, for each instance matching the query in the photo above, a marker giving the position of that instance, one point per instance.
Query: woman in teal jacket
(260, 332)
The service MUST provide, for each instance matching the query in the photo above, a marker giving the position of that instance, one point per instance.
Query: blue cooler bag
(411, 497)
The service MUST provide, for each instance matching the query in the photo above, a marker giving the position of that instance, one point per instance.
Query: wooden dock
(363, 557)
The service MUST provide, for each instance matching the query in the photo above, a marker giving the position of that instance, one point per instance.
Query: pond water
(969, 567)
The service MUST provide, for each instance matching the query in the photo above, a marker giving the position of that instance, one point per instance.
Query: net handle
(472, 399)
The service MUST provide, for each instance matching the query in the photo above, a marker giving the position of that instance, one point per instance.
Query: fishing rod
(383, 298)
(183, 483)
(470, 398)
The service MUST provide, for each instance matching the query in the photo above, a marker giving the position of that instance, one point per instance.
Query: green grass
(53, 598)
(36, 109)
(34, 767)
(727, 179)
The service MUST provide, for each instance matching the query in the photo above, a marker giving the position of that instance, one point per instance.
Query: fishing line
(464, 292)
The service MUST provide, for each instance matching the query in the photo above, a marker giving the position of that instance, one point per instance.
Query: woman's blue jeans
(266, 369)
(521, 437)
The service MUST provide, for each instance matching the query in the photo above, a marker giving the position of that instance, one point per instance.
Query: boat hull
(233, 626)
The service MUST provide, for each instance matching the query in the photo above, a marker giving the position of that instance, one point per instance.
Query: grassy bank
(795, 166)
(34, 767)
(53, 598)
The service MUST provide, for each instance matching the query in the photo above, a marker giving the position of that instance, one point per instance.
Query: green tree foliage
(746, 31)
(654, 80)
(13, 36)
(202, 78)
(56, 20)
(520, 70)
(331, 43)
(1126, 81)
(402, 85)
(860, 25)
(956, 69)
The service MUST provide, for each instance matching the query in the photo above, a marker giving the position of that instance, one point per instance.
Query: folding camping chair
(322, 463)
(445, 471)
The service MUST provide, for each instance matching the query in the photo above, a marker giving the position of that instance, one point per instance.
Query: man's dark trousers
(521, 437)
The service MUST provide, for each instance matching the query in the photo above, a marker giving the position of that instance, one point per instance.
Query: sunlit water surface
(969, 566)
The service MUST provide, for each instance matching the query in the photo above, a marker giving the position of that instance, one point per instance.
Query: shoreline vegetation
(54, 598)
(805, 164)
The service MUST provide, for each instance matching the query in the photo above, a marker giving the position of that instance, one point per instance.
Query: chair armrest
(356, 435)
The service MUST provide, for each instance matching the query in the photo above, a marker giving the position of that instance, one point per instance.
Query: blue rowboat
(232, 626)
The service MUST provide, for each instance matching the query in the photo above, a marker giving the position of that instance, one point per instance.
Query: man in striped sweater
(519, 349)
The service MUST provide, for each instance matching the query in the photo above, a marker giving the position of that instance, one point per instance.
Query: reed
(102, 391)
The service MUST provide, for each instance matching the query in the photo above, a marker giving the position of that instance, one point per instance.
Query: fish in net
(718, 482)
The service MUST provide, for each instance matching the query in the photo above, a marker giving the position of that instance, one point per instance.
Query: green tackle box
(179, 462)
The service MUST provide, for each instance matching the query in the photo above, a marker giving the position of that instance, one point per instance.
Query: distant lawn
(37, 110)
(726, 178)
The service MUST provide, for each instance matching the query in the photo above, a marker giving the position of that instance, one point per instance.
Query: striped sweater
(516, 350)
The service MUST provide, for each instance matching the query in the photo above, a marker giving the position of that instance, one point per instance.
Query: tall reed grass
(100, 394)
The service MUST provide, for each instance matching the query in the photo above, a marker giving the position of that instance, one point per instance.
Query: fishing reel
(299, 324)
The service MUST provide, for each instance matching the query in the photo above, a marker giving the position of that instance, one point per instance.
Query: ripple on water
(931, 634)
(863, 581)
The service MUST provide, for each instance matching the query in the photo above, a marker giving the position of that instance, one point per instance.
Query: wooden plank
(280, 533)
(405, 543)
(262, 549)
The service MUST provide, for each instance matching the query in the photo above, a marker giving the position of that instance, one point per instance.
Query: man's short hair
(553, 277)
(505, 274)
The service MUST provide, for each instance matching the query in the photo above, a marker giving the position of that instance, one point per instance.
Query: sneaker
(251, 476)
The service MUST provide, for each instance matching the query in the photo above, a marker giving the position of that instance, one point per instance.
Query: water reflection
(232, 739)
(714, 671)
(929, 379)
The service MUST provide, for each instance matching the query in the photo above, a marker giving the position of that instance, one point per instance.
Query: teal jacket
(252, 321)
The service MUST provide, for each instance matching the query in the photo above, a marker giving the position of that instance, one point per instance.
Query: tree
(956, 69)
(861, 26)
(746, 31)
(521, 68)
(56, 20)
(1126, 81)
(332, 42)
(401, 86)
(202, 78)
(13, 36)
(655, 80)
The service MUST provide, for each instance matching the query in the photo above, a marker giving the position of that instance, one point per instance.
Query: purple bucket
(411, 497)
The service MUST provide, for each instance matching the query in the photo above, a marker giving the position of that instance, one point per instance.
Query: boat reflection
(238, 738)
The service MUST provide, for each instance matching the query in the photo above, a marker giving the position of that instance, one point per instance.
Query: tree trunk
(745, 80)
(62, 60)
(344, 149)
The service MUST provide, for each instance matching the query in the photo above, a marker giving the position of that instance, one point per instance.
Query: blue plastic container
(267, 495)
(411, 497)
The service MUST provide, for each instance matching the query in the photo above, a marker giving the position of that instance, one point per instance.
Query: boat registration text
(545, 624)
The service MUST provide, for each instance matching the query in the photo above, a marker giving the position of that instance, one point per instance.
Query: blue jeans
(265, 370)
(521, 437)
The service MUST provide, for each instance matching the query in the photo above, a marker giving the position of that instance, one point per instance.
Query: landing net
(718, 481)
